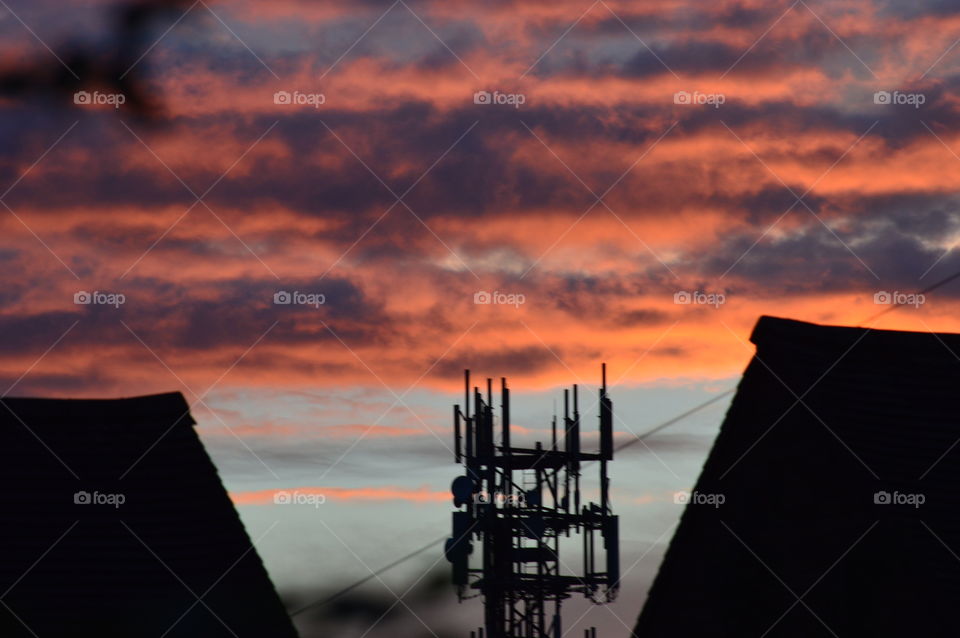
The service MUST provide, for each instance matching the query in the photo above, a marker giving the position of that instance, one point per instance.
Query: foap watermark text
(699, 298)
(899, 98)
(86, 98)
(897, 298)
(296, 497)
(499, 498)
(699, 99)
(298, 98)
(508, 99)
(699, 498)
(297, 298)
(899, 498)
(98, 298)
(497, 298)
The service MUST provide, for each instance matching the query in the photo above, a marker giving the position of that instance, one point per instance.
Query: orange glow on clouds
(311, 495)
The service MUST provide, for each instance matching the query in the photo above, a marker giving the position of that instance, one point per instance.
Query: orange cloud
(360, 494)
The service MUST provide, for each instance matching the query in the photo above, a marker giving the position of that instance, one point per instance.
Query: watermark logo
(297, 298)
(85, 98)
(500, 499)
(97, 298)
(699, 99)
(299, 99)
(96, 498)
(899, 498)
(510, 99)
(297, 497)
(699, 498)
(899, 98)
(897, 298)
(699, 298)
(497, 298)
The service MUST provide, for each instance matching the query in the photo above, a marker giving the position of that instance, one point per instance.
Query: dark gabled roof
(879, 415)
(166, 408)
(75, 568)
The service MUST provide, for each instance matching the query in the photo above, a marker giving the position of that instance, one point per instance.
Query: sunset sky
(794, 159)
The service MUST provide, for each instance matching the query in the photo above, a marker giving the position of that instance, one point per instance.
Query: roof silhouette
(839, 467)
(115, 522)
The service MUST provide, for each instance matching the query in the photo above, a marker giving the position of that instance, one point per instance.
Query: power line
(332, 597)
(679, 417)
(895, 306)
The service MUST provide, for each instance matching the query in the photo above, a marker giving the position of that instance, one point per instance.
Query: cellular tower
(518, 503)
